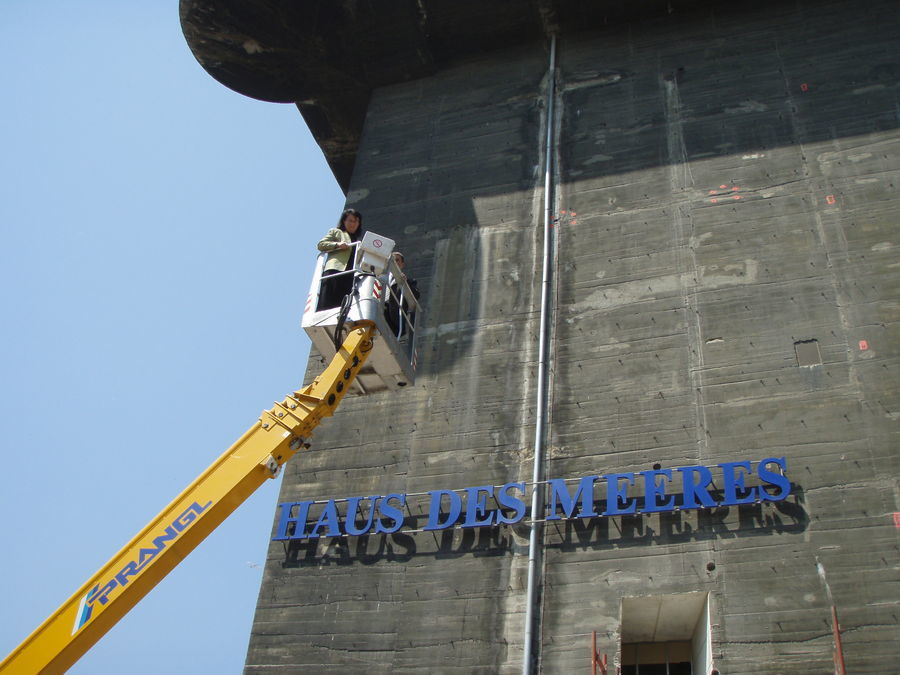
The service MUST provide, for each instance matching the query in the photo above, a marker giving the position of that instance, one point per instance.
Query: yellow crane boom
(143, 562)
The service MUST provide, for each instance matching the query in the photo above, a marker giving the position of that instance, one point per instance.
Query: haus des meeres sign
(655, 491)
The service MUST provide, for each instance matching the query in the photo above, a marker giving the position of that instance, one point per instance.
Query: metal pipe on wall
(543, 363)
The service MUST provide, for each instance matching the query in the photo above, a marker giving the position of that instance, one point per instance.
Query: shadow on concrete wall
(787, 517)
(753, 520)
(681, 90)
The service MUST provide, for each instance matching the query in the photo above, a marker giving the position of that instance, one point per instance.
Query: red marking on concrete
(714, 201)
(563, 212)
(712, 192)
(736, 197)
(735, 188)
(829, 199)
(573, 222)
(863, 345)
(572, 213)
(722, 187)
(897, 520)
(804, 87)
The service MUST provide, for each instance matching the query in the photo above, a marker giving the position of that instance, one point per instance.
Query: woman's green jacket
(337, 259)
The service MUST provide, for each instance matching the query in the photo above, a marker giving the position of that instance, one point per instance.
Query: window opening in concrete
(666, 635)
(657, 658)
(808, 353)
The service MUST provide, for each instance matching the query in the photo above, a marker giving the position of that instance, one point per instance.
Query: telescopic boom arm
(258, 455)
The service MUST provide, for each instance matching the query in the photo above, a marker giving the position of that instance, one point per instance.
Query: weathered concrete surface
(746, 201)
(726, 189)
(328, 57)
(413, 601)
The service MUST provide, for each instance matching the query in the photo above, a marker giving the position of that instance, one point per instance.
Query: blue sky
(158, 234)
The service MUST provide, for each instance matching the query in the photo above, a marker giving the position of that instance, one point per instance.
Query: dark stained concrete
(328, 57)
(732, 174)
(744, 205)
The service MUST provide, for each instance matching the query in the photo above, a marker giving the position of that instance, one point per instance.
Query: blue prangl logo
(100, 593)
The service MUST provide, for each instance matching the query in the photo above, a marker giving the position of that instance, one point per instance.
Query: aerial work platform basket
(379, 294)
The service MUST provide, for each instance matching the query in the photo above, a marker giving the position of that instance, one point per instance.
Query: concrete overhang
(326, 56)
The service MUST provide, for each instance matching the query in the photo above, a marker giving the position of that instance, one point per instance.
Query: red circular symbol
(377, 243)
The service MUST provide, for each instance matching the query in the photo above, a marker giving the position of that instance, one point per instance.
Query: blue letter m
(559, 493)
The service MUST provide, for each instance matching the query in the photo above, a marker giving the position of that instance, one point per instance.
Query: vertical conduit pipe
(541, 404)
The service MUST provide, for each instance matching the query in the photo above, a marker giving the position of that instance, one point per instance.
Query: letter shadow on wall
(675, 527)
(400, 547)
(756, 519)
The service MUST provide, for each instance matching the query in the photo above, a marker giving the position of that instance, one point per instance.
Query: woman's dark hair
(355, 236)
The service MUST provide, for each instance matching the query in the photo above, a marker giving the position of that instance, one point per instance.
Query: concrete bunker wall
(447, 168)
(725, 190)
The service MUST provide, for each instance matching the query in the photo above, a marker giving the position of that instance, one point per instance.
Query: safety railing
(401, 306)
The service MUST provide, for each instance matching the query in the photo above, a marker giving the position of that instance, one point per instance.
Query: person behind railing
(339, 244)
(398, 320)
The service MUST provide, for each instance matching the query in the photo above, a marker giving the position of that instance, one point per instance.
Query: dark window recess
(808, 353)
(665, 634)
(657, 658)
(658, 669)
